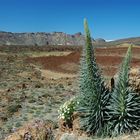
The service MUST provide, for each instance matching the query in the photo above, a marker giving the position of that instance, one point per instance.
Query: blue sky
(108, 19)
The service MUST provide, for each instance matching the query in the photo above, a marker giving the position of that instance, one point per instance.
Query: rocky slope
(41, 38)
(57, 38)
(133, 40)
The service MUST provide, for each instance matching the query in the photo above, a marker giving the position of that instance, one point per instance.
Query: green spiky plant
(94, 95)
(124, 103)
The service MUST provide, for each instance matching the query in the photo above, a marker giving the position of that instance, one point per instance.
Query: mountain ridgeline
(57, 38)
(41, 38)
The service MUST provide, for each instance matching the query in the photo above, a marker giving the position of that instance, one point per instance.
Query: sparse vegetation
(13, 108)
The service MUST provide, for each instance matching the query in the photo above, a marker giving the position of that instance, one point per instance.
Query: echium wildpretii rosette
(93, 95)
(124, 108)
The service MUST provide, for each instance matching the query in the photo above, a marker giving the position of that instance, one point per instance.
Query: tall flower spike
(124, 104)
(93, 95)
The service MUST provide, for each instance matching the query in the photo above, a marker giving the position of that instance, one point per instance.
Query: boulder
(67, 136)
(72, 136)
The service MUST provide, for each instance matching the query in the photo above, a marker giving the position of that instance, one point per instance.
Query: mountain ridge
(56, 38)
(41, 38)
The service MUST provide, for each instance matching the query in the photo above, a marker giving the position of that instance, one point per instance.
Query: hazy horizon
(108, 19)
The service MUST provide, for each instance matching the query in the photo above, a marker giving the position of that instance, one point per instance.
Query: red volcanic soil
(109, 60)
(56, 63)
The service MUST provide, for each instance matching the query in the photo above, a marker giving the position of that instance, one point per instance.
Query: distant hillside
(116, 43)
(134, 40)
(41, 38)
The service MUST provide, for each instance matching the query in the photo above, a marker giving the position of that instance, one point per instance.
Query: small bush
(13, 108)
(67, 109)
